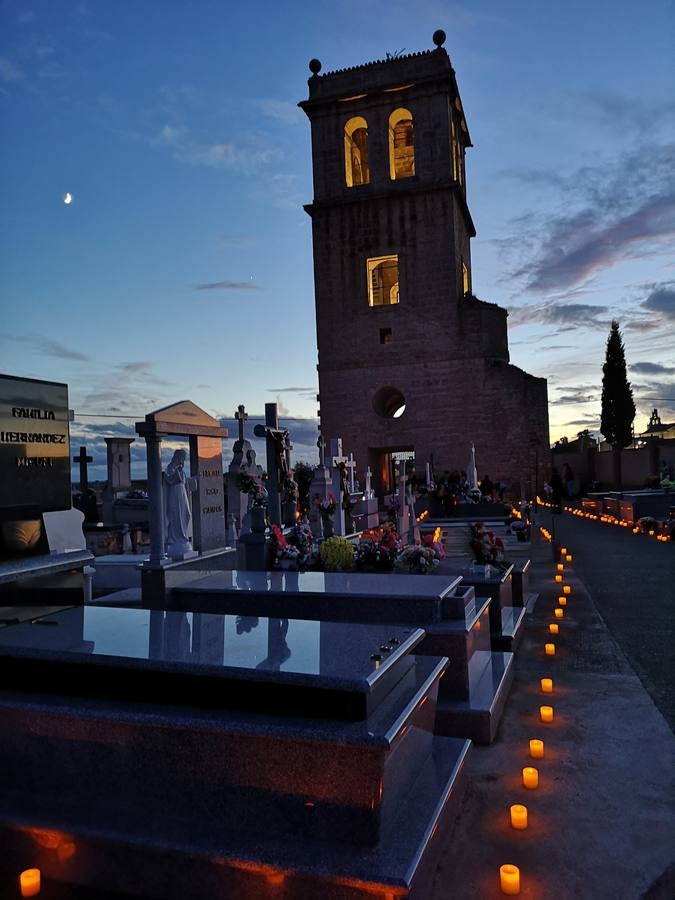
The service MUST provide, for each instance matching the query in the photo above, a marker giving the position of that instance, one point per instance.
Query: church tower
(410, 361)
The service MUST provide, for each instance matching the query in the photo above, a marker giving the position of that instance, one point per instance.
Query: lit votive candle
(568, 558)
(536, 749)
(558, 612)
(546, 713)
(518, 817)
(549, 649)
(553, 628)
(563, 549)
(530, 777)
(509, 879)
(560, 567)
(567, 590)
(29, 882)
(558, 579)
(546, 685)
(562, 601)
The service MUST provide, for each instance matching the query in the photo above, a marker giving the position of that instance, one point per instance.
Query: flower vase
(258, 519)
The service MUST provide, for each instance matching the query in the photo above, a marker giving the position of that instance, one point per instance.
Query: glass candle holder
(549, 649)
(546, 685)
(553, 628)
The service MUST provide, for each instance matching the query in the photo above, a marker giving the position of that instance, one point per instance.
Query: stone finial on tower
(315, 65)
(438, 38)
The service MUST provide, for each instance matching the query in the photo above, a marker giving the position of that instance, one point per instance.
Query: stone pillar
(156, 505)
(274, 500)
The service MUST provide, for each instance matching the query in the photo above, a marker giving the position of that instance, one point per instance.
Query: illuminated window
(386, 337)
(382, 280)
(356, 152)
(465, 278)
(401, 144)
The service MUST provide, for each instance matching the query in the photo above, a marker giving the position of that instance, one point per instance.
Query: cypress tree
(618, 408)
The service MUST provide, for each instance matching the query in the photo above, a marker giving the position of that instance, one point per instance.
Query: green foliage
(618, 408)
(336, 554)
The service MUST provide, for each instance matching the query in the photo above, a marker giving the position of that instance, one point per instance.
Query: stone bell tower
(409, 359)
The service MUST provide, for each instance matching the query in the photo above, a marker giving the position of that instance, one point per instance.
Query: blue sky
(183, 267)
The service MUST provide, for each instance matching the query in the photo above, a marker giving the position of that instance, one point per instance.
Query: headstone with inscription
(205, 434)
(35, 482)
(34, 448)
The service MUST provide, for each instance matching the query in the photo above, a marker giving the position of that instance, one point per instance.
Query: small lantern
(546, 713)
(546, 685)
(553, 628)
(549, 649)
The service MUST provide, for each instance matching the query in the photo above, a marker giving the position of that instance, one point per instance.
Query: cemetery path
(631, 579)
(602, 822)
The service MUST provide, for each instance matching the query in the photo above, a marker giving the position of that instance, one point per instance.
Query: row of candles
(611, 520)
(509, 875)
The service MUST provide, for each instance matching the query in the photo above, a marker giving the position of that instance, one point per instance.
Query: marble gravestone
(289, 757)
(456, 621)
(205, 434)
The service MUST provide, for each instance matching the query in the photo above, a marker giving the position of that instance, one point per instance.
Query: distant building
(410, 361)
(657, 429)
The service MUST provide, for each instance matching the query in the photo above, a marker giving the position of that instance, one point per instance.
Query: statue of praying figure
(177, 506)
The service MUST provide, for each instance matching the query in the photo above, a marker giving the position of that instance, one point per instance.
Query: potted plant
(336, 554)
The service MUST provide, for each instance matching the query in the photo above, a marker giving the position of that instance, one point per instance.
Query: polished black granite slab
(335, 669)
(359, 595)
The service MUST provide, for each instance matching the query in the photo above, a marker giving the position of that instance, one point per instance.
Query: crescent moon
(67, 198)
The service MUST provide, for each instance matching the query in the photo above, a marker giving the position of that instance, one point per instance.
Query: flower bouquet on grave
(433, 540)
(336, 554)
(326, 507)
(417, 560)
(300, 538)
(286, 556)
(289, 490)
(488, 549)
(377, 549)
(258, 493)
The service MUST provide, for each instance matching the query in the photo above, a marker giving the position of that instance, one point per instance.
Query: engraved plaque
(34, 447)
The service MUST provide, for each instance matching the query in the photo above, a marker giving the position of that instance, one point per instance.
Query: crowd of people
(454, 487)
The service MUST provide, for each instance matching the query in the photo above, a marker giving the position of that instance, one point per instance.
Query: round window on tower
(389, 403)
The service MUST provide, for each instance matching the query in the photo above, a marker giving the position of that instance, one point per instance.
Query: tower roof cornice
(379, 76)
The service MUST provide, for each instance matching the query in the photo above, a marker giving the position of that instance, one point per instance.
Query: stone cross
(351, 465)
(277, 471)
(321, 444)
(336, 463)
(241, 416)
(369, 476)
(83, 459)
